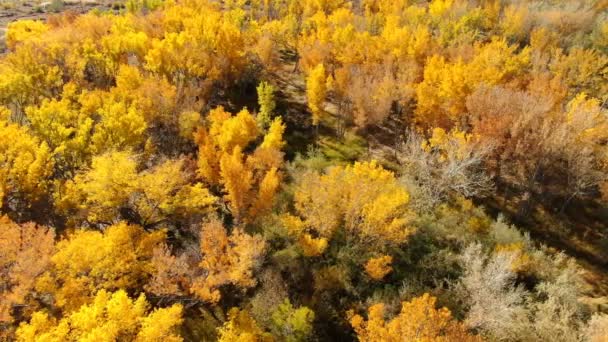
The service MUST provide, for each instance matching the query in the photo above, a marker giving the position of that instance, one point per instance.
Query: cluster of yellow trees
(144, 197)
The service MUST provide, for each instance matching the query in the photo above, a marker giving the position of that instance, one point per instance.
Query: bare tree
(457, 168)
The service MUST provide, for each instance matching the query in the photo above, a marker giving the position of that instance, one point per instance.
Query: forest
(306, 170)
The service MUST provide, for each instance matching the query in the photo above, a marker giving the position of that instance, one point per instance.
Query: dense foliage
(303, 170)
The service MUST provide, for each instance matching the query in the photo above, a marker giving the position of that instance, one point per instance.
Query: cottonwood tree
(112, 189)
(249, 181)
(121, 259)
(109, 317)
(362, 200)
(26, 164)
(417, 320)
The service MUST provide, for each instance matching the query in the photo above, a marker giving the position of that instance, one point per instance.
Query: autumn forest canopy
(316, 170)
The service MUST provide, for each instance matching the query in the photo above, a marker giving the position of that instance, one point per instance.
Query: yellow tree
(364, 200)
(109, 317)
(26, 164)
(316, 91)
(24, 30)
(65, 128)
(418, 320)
(442, 93)
(113, 185)
(249, 182)
(292, 324)
(267, 104)
(120, 259)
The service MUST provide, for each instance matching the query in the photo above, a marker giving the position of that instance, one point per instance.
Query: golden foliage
(26, 164)
(418, 320)
(363, 199)
(109, 317)
(378, 268)
(249, 182)
(89, 261)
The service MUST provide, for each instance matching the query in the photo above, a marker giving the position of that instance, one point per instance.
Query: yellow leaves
(237, 131)
(110, 317)
(315, 92)
(441, 95)
(241, 327)
(266, 102)
(25, 163)
(292, 324)
(363, 199)
(113, 183)
(497, 62)
(124, 38)
(227, 259)
(64, 128)
(198, 43)
(120, 259)
(237, 180)
(438, 8)
(405, 41)
(105, 186)
(418, 320)
(223, 135)
(121, 126)
(442, 92)
(298, 230)
(24, 30)
(515, 22)
(160, 325)
(586, 116)
(188, 122)
(274, 138)
(378, 268)
(582, 70)
(248, 181)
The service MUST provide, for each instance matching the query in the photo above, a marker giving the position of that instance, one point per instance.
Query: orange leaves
(25, 253)
(224, 259)
(227, 259)
(378, 268)
(418, 320)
